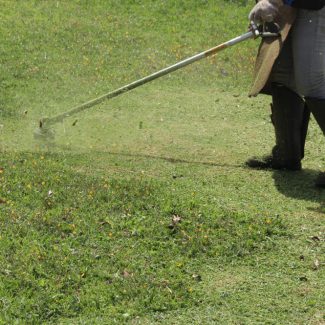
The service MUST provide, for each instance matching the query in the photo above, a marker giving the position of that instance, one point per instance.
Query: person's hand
(265, 11)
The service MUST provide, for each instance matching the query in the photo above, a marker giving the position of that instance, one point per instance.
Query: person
(291, 68)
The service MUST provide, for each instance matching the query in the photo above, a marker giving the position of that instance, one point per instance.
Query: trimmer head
(44, 133)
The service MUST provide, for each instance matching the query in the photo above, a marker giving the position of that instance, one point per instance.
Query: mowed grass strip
(60, 53)
(77, 246)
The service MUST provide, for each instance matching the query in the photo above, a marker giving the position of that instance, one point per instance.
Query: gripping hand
(265, 11)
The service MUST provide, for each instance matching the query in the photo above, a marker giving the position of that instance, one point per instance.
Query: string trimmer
(46, 133)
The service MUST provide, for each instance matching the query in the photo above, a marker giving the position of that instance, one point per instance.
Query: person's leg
(289, 116)
(317, 107)
(308, 43)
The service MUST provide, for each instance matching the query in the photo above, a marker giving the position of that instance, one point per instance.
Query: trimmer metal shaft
(44, 131)
(46, 122)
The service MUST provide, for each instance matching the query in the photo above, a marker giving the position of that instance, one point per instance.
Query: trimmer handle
(266, 30)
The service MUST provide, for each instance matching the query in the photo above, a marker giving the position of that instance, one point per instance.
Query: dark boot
(290, 117)
(317, 107)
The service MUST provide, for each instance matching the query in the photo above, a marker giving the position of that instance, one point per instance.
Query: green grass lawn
(142, 211)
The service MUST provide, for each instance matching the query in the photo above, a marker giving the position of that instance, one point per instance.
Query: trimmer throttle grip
(265, 30)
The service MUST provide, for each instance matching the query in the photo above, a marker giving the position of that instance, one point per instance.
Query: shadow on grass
(300, 185)
(175, 160)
